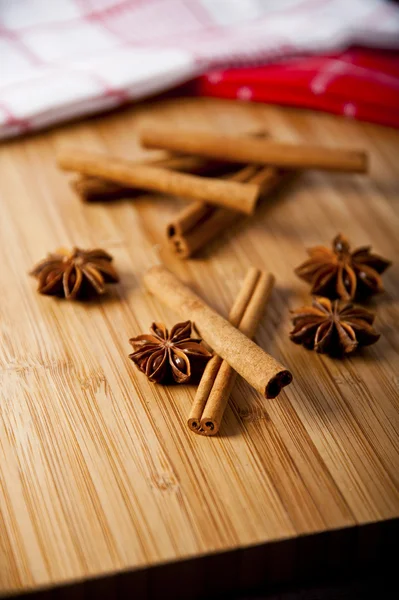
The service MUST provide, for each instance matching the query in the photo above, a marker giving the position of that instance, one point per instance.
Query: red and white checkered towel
(64, 58)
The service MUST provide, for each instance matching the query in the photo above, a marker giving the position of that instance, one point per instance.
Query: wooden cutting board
(98, 471)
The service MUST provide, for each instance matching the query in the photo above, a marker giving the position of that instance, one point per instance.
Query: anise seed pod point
(161, 354)
(75, 273)
(333, 327)
(340, 273)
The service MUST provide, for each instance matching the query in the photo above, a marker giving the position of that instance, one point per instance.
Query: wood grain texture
(98, 471)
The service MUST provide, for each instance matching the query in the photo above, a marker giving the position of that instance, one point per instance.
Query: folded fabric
(359, 83)
(68, 58)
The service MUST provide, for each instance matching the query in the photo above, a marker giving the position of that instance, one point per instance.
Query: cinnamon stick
(199, 222)
(95, 189)
(198, 211)
(247, 150)
(237, 196)
(213, 366)
(257, 367)
(219, 395)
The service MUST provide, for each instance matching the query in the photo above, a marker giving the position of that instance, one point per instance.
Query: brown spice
(333, 328)
(213, 367)
(76, 273)
(265, 152)
(96, 189)
(257, 367)
(217, 383)
(162, 354)
(340, 273)
(237, 196)
(199, 223)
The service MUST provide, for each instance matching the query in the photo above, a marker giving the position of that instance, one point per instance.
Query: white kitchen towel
(65, 58)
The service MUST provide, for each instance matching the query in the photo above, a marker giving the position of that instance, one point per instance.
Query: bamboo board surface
(98, 471)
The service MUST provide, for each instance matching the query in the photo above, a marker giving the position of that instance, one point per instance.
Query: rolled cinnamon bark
(237, 196)
(216, 221)
(212, 368)
(199, 223)
(95, 189)
(197, 212)
(189, 217)
(257, 367)
(220, 393)
(238, 149)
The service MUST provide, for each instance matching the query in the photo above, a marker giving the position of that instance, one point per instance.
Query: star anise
(75, 273)
(340, 273)
(162, 354)
(333, 327)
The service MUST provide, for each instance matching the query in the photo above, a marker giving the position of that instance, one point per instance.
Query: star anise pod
(75, 273)
(333, 327)
(162, 354)
(340, 273)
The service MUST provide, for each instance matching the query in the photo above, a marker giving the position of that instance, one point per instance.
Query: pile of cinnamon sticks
(235, 352)
(223, 176)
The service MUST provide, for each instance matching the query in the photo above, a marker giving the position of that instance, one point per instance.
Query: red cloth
(359, 83)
